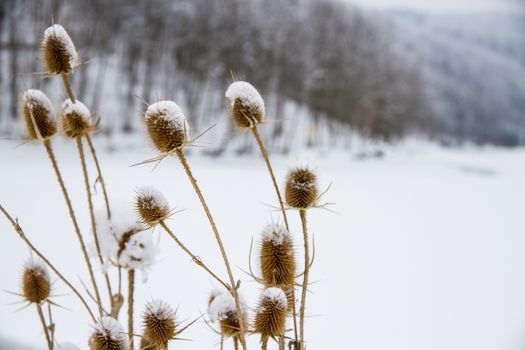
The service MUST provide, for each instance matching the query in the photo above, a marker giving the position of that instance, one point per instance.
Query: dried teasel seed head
(108, 335)
(270, 319)
(222, 308)
(152, 206)
(159, 324)
(167, 126)
(38, 111)
(277, 259)
(247, 105)
(58, 51)
(301, 188)
(36, 285)
(75, 119)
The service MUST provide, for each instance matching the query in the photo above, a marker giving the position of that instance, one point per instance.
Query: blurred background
(451, 71)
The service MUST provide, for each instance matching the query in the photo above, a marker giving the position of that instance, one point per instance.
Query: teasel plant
(270, 317)
(223, 310)
(247, 113)
(169, 132)
(108, 334)
(39, 117)
(60, 57)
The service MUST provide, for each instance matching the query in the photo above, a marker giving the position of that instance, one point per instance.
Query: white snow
(157, 198)
(112, 329)
(246, 93)
(275, 233)
(67, 346)
(58, 32)
(222, 304)
(160, 309)
(69, 107)
(276, 295)
(34, 96)
(37, 266)
(170, 111)
(425, 247)
(140, 251)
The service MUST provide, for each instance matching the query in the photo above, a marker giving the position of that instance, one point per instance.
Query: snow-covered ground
(426, 250)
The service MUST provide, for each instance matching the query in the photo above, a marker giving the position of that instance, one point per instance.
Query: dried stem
(51, 155)
(116, 304)
(44, 325)
(302, 213)
(197, 260)
(100, 178)
(22, 235)
(92, 214)
(281, 343)
(264, 153)
(235, 343)
(264, 343)
(233, 286)
(51, 326)
(131, 289)
(67, 86)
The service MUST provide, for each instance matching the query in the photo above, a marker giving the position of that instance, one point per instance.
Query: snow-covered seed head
(247, 105)
(152, 206)
(167, 126)
(108, 335)
(75, 119)
(270, 319)
(39, 115)
(36, 284)
(277, 257)
(159, 324)
(222, 308)
(301, 188)
(58, 51)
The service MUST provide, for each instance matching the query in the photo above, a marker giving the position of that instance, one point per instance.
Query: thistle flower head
(222, 308)
(36, 284)
(270, 319)
(167, 126)
(277, 257)
(75, 119)
(152, 206)
(58, 51)
(108, 335)
(301, 188)
(39, 115)
(159, 324)
(247, 105)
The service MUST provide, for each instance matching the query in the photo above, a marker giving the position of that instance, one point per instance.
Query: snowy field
(426, 250)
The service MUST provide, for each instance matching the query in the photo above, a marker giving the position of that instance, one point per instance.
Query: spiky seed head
(222, 308)
(38, 111)
(247, 105)
(167, 126)
(159, 323)
(75, 119)
(36, 284)
(58, 51)
(301, 188)
(270, 319)
(152, 206)
(108, 335)
(277, 257)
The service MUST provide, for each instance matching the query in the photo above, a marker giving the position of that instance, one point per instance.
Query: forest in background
(339, 68)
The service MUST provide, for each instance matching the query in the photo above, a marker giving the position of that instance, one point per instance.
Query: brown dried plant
(270, 318)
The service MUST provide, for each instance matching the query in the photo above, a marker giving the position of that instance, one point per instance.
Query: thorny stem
(92, 213)
(67, 86)
(51, 155)
(22, 235)
(264, 153)
(44, 325)
(100, 178)
(233, 287)
(302, 213)
(197, 260)
(131, 289)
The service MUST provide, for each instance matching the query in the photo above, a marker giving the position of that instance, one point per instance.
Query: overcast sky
(446, 5)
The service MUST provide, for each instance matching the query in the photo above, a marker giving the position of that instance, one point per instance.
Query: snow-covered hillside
(425, 251)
